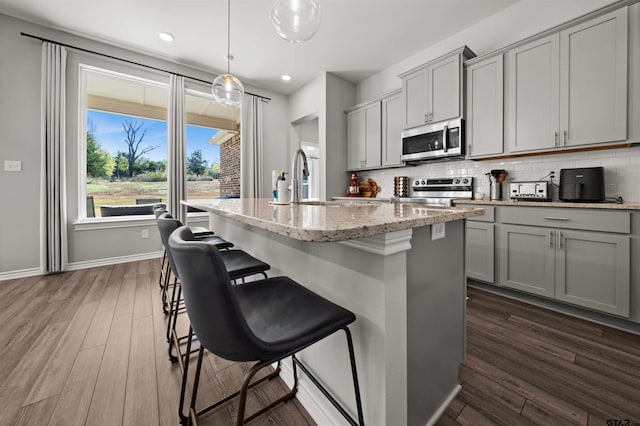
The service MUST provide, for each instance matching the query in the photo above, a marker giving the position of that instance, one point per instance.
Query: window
(125, 162)
(211, 157)
(123, 144)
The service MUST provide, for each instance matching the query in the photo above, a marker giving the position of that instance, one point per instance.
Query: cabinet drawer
(488, 216)
(590, 220)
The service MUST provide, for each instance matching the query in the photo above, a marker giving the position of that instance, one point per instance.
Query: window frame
(114, 221)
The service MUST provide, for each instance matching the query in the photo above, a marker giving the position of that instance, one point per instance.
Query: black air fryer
(582, 185)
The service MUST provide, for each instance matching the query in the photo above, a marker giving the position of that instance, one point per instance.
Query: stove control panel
(452, 187)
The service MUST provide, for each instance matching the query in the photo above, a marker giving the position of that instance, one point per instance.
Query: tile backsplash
(621, 168)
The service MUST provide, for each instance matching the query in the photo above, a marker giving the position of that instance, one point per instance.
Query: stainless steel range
(438, 191)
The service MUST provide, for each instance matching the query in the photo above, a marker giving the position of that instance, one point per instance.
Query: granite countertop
(611, 205)
(324, 221)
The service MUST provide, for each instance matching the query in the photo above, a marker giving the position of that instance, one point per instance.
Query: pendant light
(227, 90)
(296, 20)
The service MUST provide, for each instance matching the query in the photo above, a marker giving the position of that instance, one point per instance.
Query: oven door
(432, 141)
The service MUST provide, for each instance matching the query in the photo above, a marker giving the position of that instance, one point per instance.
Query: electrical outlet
(12, 166)
(437, 231)
(145, 233)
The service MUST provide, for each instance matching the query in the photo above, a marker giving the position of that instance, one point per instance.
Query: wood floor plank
(499, 393)
(37, 413)
(141, 404)
(126, 298)
(54, 374)
(98, 331)
(471, 417)
(604, 353)
(107, 404)
(519, 336)
(563, 379)
(74, 401)
(142, 301)
(561, 408)
(16, 386)
(454, 408)
(547, 317)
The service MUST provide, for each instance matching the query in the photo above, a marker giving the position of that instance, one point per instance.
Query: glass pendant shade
(227, 90)
(296, 20)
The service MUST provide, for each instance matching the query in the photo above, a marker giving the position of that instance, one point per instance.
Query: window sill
(114, 222)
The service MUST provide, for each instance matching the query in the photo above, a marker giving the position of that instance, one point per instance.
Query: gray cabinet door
(593, 81)
(527, 259)
(391, 130)
(356, 148)
(485, 108)
(533, 95)
(479, 251)
(414, 98)
(593, 270)
(372, 135)
(443, 94)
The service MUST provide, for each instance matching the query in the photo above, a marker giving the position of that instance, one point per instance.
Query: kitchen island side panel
(436, 294)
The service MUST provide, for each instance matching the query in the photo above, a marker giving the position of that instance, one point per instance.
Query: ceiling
(356, 38)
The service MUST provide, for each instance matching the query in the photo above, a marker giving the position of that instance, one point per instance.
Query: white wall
(523, 19)
(20, 140)
(325, 99)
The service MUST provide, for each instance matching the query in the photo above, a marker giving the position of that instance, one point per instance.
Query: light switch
(12, 166)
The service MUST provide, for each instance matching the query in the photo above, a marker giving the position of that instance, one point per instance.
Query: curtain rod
(129, 62)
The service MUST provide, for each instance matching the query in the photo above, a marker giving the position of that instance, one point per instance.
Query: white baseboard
(22, 273)
(112, 260)
(316, 404)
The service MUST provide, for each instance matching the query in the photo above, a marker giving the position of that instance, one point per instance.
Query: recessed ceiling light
(286, 77)
(164, 36)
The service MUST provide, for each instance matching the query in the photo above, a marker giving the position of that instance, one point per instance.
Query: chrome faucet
(295, 185)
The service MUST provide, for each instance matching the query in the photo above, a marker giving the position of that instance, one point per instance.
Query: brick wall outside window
(230, 168)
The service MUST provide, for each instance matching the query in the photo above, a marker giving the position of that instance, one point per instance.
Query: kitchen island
(378, 260)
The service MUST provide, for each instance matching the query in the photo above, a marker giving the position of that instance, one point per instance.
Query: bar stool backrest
(212, 307)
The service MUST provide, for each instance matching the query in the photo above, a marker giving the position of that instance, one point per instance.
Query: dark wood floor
(88, 347)
(526, 365)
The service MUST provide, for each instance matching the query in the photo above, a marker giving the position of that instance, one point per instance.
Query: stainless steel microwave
(433, 141)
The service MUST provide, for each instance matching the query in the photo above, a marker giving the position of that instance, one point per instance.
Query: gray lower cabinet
(590, 269)
(480, 251)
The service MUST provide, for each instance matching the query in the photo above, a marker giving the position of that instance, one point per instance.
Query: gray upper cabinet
(569, 88)
(485, 112)
(364, 127)
(432, 92)
(391, 130)
(533, 95)
(374, 133)
(593, 81)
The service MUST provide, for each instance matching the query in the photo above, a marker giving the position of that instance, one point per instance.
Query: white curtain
(53, 222)
(251, 142)
(176, 163)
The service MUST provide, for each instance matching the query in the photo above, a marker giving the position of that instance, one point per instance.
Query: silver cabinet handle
(565, 137)
(555, 138)
(549, 238)
(559, 239)
(556, 218)
(426, 117)
(445, 138)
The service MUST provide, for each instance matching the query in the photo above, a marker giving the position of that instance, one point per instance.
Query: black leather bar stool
(164, 267)
(238, 264)
(165, 273)
(264, 321)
